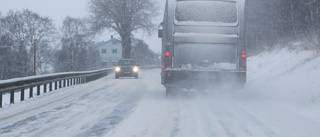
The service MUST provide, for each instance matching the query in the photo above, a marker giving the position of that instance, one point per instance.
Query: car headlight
(135, 69)
(118, 69)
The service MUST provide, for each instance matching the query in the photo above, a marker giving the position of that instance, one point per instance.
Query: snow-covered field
(281, 99)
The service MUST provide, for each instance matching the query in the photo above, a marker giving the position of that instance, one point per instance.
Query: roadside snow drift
(286, 75)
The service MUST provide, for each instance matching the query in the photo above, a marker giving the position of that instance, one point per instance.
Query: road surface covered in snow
(139, 108)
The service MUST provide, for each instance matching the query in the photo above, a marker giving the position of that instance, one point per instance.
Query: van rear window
(206, 11)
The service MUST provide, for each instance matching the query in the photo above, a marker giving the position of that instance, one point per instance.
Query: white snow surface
(286, 75)
(281, 99)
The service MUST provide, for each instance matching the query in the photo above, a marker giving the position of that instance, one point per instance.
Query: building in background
(110, 52)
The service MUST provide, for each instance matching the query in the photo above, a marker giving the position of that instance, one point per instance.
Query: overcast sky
(58, 10)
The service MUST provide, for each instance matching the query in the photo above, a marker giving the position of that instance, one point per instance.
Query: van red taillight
(166, 57)
(169, 73)
(167, 54)
(244, 59)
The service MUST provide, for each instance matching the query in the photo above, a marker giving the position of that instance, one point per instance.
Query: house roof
(103, 43)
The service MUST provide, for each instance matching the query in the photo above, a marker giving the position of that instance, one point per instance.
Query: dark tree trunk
(126, 46)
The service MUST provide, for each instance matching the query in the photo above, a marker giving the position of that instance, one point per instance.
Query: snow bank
(286, 75)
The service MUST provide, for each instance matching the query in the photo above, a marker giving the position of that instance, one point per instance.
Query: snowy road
(139, 108)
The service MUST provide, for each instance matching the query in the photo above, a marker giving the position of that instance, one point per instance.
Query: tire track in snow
(224, 118)
(235, 120)
(82, 109)
(176, 121)
(230, 120)
(194, 117)
(282, 123)
(120, 112)
(256, 122)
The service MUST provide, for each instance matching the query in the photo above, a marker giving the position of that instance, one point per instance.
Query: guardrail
(50, 82)
(47, 83)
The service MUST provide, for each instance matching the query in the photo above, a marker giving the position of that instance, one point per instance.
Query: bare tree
(45, 54)
(39, 31)
(73, 30)
(24, 28)
(123, 17)
(76, 53)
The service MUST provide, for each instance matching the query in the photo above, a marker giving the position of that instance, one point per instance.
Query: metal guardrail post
(31, 92)
(22, 95)
(60, 86)
(12, 97)
(44, 88)
(38, 90)
(55, 85)
(50, 87)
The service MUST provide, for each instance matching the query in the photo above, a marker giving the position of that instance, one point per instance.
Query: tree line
(29, 40)
(282, 22)
(18, 33)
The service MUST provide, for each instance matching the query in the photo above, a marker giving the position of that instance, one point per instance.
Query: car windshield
(126, 63)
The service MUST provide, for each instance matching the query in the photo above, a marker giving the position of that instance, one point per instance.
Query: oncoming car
(126, 68)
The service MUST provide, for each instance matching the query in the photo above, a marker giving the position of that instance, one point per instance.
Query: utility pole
(34, 58)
